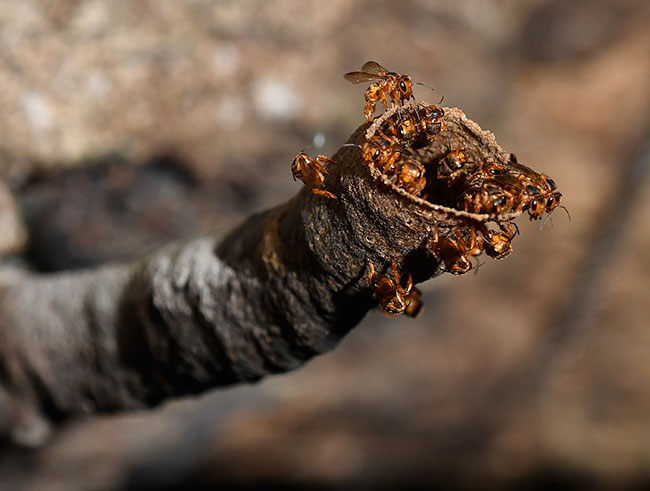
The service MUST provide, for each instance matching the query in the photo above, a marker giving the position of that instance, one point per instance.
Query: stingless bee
(394, 299)
(453, 167)
(410, 177)
(541, 195)
(453, 253)
(312, 172)
(383, 152)
(499, 244)
(387, 87)
(415, 126)
(489, 197)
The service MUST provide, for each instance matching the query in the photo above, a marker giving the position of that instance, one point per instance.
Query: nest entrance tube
(444, 218)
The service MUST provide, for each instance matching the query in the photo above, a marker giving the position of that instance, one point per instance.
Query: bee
(415, 126)
(453, 253)
(490, 169)
(312, 172)
(542, 195)
(499, 244)
(383, 152)
(389, 88)
(403, 128)
(410, 177)
(394, 299)
(431, 120)
(476, 173)
(453, 167)
(490, 197)
(540, 204)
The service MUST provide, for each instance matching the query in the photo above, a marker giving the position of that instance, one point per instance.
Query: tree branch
(285, 285)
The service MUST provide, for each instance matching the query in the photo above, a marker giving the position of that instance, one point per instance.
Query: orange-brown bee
(452, 167)
(541, 195)
(393, 297)
(540, 192)
(490, 169)
(312, 172)
(389, 88)
(410, 177)
(499, 244)
(453, 252)
(540, 204)
(415, 126)
(383, 152)
(431, 120)
(489, 196)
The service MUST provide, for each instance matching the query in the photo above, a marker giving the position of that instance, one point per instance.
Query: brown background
(178, 117)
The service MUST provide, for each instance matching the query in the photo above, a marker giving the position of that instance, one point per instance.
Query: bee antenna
(566, 211)
(425, 85)
(429, 87)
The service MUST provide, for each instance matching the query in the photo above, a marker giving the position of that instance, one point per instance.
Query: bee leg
(322, 192)
(326, 160)
(398, 281)
(369, 111)
(322, 161)
(371, 272)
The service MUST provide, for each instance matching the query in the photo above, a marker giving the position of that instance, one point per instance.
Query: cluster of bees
(486, 188)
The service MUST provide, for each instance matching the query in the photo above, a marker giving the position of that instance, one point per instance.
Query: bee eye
(437, 113)
(427, 112)
(375, 155)
(533, 204)
(550, 201)
(402, 86)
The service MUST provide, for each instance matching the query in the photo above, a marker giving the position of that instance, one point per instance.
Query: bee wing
(371, 71)
(374, 68)
(359, 77)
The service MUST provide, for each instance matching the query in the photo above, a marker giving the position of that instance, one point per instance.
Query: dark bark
(285, 285)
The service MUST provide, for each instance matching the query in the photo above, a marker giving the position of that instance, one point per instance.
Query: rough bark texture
(285, 285)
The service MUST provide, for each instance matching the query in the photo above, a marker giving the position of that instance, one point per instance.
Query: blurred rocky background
(128, 124)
